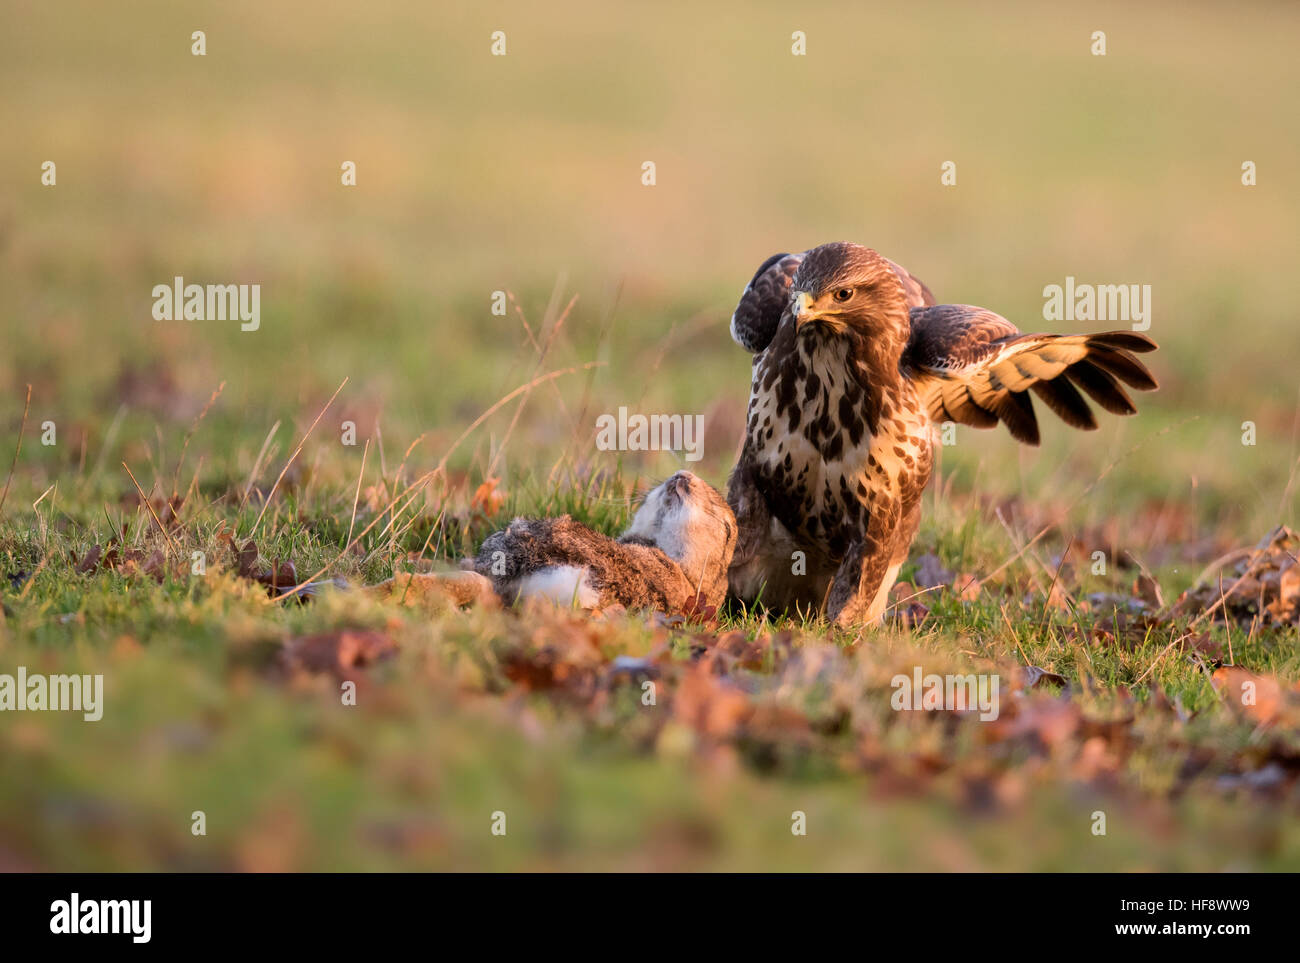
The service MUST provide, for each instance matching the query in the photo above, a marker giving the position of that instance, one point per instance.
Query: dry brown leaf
(698, 611)
(709, 704)
(487, 499)
(1147, 589)
(1048, 720)
(1031, 676)
(907, 606)
(1257, 697)
(90, 562)
(1263, 584)
(340, 652)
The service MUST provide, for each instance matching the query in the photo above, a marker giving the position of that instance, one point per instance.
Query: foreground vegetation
(222, 699)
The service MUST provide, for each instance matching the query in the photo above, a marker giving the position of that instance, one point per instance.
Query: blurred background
(478, 173)
(523, 173)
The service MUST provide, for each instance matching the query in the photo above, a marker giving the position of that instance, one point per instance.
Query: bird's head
(849, 289)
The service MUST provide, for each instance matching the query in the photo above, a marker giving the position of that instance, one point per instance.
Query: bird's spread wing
(918, 295)
(764, 300)
(972, 366)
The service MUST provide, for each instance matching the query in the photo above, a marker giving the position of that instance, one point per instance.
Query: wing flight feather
(974, 367)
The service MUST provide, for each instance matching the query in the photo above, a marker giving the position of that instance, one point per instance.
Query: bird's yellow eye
(843, 294)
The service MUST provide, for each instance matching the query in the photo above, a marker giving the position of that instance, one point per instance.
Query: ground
(523, 174)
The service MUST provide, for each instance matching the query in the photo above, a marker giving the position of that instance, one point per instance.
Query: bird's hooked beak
(801, 305)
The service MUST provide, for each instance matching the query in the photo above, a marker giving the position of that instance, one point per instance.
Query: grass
(522, 174)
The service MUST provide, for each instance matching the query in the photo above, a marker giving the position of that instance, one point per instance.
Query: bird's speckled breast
(831, 449)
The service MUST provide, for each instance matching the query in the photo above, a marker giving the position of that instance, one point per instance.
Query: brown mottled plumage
(754, 322)
(859, 368)
(678, 547)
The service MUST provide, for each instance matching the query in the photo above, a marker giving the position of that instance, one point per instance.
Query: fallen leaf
(1258, 697)
(90, 562)
(966, 586)
(339, 652)
(1031, 676)
(487, 499)
(698, 611)
(711, 705)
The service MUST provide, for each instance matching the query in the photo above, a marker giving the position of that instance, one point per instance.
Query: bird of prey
(854, 368)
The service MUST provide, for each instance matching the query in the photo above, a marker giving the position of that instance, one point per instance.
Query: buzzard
(854, 367)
